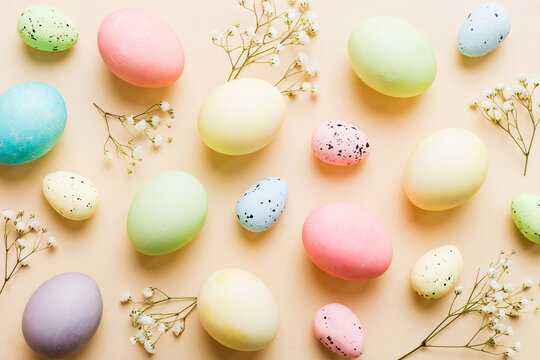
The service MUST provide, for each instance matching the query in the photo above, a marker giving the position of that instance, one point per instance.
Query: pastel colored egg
(140, 48)
(526, 215)
(485, 28)
(392, 57)
(46, 28)
(32, 119)
(446, 169)
(436, 272)
(340, 143)
(166, 213)
(241, 116)
(338, 328)
(262, 204)
(62, 315)
(238, 310)
(346, 242)
(71, 195)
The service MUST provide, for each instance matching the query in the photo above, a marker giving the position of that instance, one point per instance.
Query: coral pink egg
(347, 242)
(140, 48)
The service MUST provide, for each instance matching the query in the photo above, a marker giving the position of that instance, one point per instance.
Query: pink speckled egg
(338, 328)
(340, 143)
(346, 242)
(140, 48)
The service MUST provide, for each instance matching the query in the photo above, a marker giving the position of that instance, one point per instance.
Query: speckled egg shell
(340, 143)
(338, 328)
(436, 272)
(526, 215)
(46, 28)
(485, 28)
(72, 195)
(262, 204)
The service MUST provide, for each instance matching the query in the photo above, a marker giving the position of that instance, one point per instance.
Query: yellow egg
(241, 116)
(238, 310)
(446, 169)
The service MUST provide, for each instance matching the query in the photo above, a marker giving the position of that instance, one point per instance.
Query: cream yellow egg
(446, 169)
(241, 116)
(238, 310)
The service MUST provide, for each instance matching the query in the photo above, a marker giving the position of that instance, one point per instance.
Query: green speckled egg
(46, 28)
(526, 215)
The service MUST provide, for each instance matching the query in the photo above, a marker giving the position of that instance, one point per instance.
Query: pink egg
(346, 242)
(340, 143)
(140, 48)
(338, 328)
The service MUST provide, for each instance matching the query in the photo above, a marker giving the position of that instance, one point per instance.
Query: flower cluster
(152, 325)
(265, 40)
(146, 123)
(23, 237)
(501, 105)
(495, 301)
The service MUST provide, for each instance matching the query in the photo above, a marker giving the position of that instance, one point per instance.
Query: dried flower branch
(501, 106)
(493, 301)
(266, 39)
(145, 122)
(22, 239)
(152, 325)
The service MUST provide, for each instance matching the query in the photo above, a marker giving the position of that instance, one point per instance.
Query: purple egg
(62, 315)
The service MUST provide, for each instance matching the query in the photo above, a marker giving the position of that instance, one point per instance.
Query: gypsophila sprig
(264, 41)
(503, 104)
(145, 123)
(23, 237)
(494, 301)
(151, 324)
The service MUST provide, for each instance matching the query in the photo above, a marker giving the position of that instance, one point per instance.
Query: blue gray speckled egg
(262, 204)
(484, 29)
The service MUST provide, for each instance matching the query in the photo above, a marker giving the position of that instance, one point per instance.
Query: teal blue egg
(32, 119)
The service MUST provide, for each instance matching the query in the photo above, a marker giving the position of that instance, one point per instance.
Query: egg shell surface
(238, 310)
(166, 213)
(392, 56)
(446, 169)
(32, 118)
(346, 242)
(140, 48)
(436, 272)
(339, 329)
(62, 315)
(46, 28)
(485, 28)
(340, 143)
(262, 204)
(72, 195)
(526, 215)
(241, 116)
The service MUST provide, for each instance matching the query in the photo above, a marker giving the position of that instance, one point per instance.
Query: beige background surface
(394, 318)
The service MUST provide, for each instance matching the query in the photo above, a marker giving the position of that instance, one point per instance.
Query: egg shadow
(523, 243)
(472, 63)
(233, 165)
(47, 56)
(428, 218)
(423, 302)
(224, 353)
(335, 171)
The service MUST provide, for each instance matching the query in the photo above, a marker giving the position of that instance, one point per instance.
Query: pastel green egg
(166, 213)
(46, 28)
(526, 215)
(392, 57)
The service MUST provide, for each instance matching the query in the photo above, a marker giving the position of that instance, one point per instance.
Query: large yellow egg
(241, 116)
(238, 310)
(446, 169)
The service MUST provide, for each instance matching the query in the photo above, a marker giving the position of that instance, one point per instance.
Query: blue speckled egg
(484, 29)
(32, 119)
(262, 204)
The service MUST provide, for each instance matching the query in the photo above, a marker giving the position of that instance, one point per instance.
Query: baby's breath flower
(506, 264)
(508, 106)
(522, 77)
(509, 353)
(216, 35)
(8, 214)
(497, 115)
(20, 226)
(458, 290)
(157, 140)
(232, 30)
(491, 272)
(508, 92)
(108, 155)
(302, 37)
(155, 120)
(34, 224)
(133, 341)
(499, 86)
(306, 86)
(137, 153)
(495, 286)
(51, 242)
(250, 32)
(130, 120)
(25, 262)
(292, 2)
(517, 346)
(162, 328)
(487, 104)
(278, 48)
(148, 292)
(301, 59)
(509, 331)
(489, 93)
(165, 106)
(508, 288)
(535, 81)
(315, 90)
(268, 9)
(304, 4)
(178, 328)
(21, 243)
(146, 320)
(527, 284)
(274, 60)
(272, 32)
(498, 298)
(149, 347)
(140, 125)
(125, 297)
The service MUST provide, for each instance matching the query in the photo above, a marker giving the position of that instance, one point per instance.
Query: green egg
(392, 57)
(47, 28)
(166, 213)
(526, 215)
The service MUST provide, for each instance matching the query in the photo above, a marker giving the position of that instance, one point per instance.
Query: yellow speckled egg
(241, 116)
(446, 169)
(238, 310)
